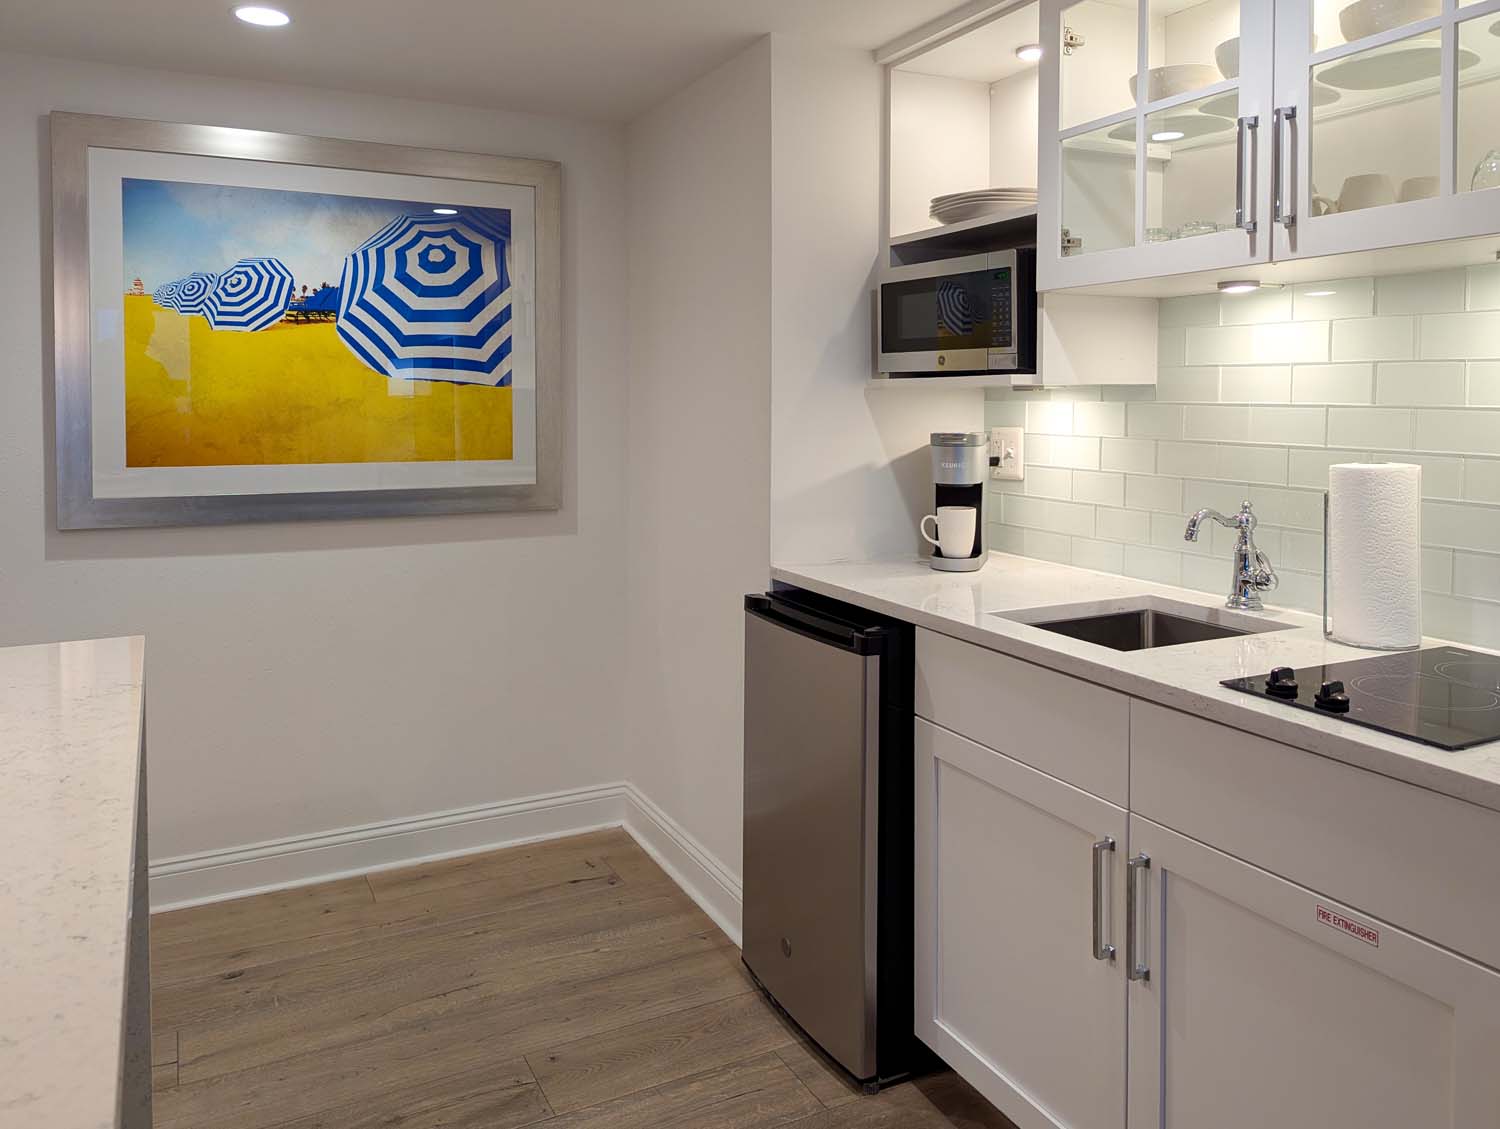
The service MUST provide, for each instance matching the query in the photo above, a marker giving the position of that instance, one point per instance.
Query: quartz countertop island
(71, 896)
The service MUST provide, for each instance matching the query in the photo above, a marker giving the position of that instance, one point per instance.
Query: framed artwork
(261, 326)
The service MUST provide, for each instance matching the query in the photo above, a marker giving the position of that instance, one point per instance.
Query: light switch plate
(1008, 444)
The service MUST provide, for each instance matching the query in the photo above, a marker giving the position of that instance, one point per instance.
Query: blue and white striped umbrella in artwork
(251, 295)
(429, 298)
(193, 291)
(165, 295)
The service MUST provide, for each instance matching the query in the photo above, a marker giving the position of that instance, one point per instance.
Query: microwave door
(948, 322)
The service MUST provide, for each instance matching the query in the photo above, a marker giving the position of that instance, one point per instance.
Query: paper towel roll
(1375, 554)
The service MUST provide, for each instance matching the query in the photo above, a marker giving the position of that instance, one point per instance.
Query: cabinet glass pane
(1340, 21)
(1096, 60)
(1190, 169)
(1098, 188)
(1375, 122)
(1479, 105)
(1194, 43)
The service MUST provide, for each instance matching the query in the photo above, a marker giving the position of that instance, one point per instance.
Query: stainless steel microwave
(964, 316)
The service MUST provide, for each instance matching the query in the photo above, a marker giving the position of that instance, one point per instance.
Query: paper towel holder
(1328, 631)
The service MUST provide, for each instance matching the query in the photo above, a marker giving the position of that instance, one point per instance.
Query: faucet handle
(1264, 576)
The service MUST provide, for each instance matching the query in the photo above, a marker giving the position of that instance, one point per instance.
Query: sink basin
(1147, 628)
(1140, 630)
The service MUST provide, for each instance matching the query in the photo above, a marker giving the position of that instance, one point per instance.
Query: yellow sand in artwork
(288, 394)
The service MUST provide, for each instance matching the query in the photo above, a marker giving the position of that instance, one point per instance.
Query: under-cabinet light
(261, 16)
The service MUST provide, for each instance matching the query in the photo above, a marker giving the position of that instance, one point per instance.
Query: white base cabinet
(1009, 989)
(1167, 984)
(1264, 1004)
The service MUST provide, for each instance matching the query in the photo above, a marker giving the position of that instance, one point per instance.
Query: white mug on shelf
(955, 530)
(1417, 188)
(1367, 190)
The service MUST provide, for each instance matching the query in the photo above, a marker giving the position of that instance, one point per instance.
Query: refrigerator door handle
(841, 635)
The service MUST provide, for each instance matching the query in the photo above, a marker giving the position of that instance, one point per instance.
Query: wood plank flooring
(565, 985)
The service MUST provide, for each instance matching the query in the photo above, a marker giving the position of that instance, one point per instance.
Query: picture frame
(142, 457)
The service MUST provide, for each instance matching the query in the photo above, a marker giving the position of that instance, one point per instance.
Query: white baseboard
(236, 872)
(702, 876)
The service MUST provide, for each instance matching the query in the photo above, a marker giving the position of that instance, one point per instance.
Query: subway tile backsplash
(1257, 396)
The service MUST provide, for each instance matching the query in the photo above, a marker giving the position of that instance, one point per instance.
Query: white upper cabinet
(1263, 132)
(1155, 175)
(1389, 123)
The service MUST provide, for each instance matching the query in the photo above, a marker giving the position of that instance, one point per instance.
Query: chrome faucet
(1253, 573)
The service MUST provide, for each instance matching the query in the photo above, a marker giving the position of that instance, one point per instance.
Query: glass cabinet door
(1152, 116)
(1388, 123)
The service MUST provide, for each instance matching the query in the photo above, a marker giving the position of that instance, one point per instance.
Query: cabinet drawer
(1068, 728)
(1421, 860)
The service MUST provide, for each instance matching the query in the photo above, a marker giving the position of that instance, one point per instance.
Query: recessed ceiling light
(1168, 135)
(1318, 293)
(1029, 52)
(262, 16)
(445, 211)
(1239, 286)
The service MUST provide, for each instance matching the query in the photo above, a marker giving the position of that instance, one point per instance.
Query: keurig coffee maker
(960, 469)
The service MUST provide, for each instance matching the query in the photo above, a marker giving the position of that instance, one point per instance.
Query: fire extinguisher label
(1356, 929)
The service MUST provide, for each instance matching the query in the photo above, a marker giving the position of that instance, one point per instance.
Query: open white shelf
(908, 383)
(995, 219)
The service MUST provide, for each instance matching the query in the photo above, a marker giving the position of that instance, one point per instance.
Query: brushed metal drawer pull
(1103, 950)
(1137, 969)
(1248, 124)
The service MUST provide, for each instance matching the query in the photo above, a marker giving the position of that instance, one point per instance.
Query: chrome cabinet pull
(1281, 117)
(1248, 124)
(1103, 950)
(1138, 968)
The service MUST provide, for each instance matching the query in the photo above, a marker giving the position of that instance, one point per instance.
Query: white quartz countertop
(1184, 677)
(70, 723)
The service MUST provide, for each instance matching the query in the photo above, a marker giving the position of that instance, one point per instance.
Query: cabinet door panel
(1267, 1004)
(1150, 152)
(1008, 988)
(1393, 110)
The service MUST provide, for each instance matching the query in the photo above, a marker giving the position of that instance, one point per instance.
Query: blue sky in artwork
(174, 228)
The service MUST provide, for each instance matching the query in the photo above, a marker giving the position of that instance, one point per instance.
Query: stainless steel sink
(1145, 628)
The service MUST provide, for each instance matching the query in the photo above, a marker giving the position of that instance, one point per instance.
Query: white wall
(699, 437)
(1014, 114)
(850, 470)
(305, 677)
(940, 143)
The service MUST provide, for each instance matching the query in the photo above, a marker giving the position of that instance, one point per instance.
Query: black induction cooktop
(1442, 696)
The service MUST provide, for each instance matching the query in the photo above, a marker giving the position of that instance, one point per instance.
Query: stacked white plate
(959, 206)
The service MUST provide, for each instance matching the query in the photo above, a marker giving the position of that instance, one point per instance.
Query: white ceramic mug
(1367, 190)
(955, 530)
(1418, 188)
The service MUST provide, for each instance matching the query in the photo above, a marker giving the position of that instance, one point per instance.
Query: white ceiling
(607, 59)
(985, 54)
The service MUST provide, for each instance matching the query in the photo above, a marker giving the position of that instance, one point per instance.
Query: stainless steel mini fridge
(828, 825)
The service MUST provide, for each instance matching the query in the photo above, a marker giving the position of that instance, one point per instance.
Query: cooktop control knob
(1331, 697)
(1282, 682)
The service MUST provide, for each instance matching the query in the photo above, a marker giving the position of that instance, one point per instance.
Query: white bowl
(1179, 78)
(1371, 17)
(1227, 55)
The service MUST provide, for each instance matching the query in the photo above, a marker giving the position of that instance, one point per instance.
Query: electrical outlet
(1008, 446)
